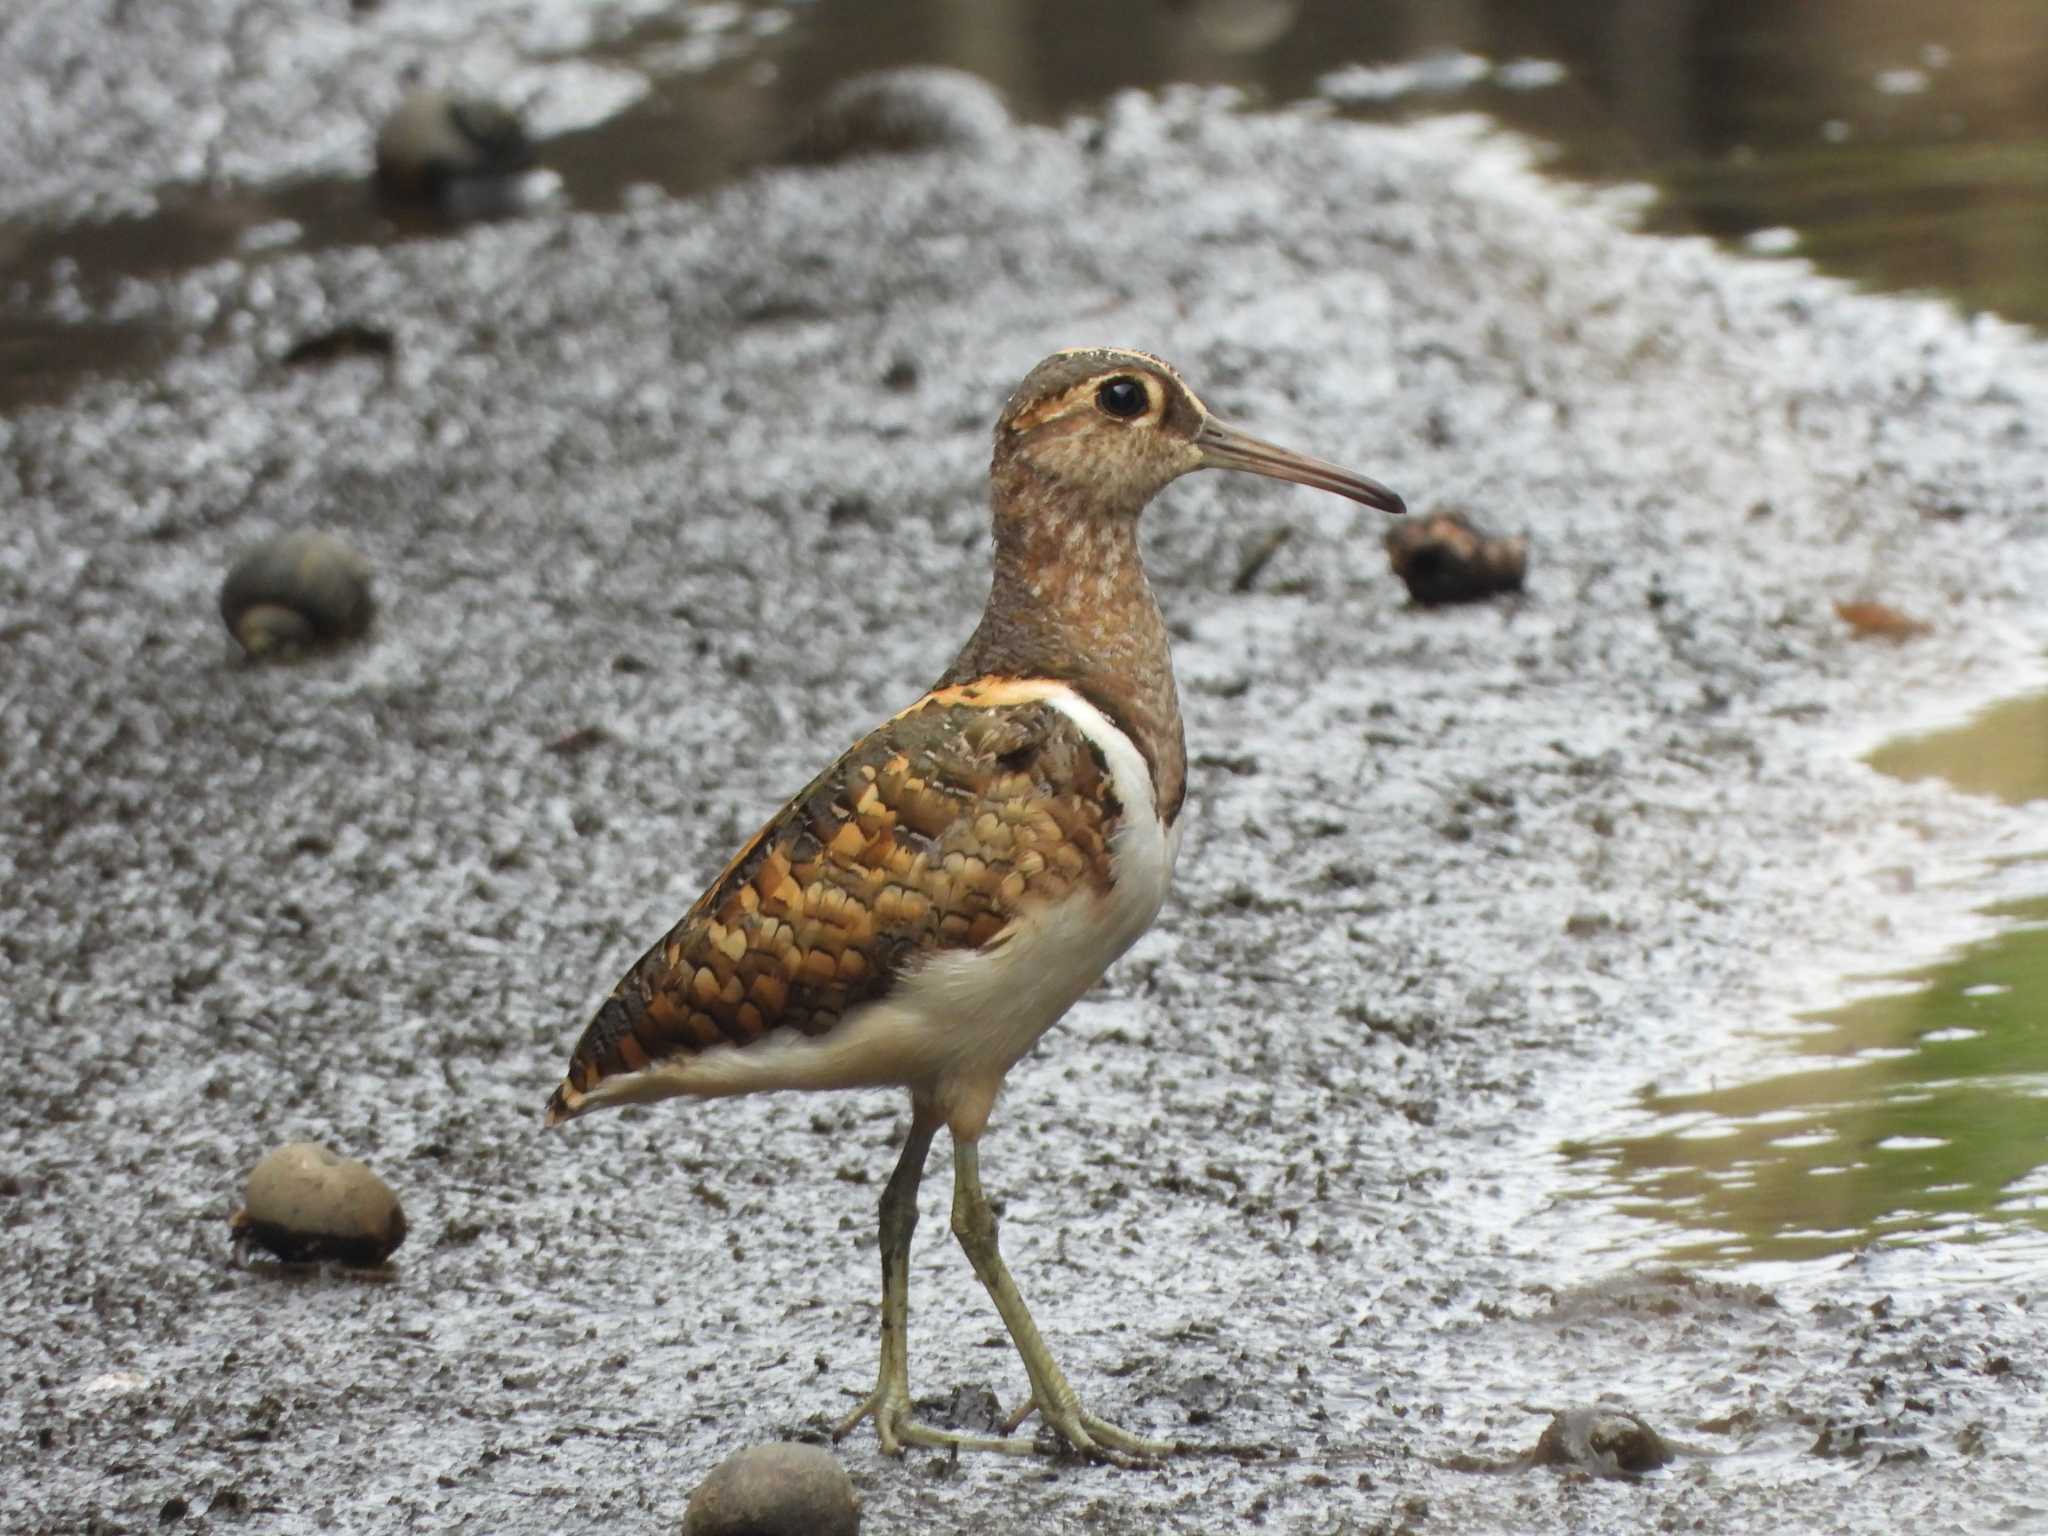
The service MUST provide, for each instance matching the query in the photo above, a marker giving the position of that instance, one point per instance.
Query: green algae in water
(2001, 752)
(1916, 1115)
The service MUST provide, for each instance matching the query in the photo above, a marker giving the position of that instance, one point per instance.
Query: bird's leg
(889, 1404)
(974, 1224)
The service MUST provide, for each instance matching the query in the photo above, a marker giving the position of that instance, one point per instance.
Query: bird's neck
(1069, 601)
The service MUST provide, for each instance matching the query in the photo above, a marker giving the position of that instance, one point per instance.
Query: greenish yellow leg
(889, 1404)
(974, 1224)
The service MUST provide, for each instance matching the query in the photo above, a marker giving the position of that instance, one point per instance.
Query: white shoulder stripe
(1128, 772)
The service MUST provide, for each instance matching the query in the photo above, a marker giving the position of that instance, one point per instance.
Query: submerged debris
(905, 112)
(780, 1489)
(307, 1204)
(1445, 558)
(458, 153)
(295, 593)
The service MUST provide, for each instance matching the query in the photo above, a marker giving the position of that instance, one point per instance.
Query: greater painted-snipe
(929, 905)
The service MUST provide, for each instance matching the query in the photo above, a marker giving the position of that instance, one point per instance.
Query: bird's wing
(933, 832)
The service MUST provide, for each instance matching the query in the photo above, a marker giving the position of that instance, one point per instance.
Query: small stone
(307, 1204)
(448, 151)
(780, 1489)
(297, 593)
(1445, 558)
(1240, 26)
(1608, 1442)
(906, 111)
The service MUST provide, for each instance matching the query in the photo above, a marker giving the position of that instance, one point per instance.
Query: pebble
(905, 112)
(779, 1489)
(306, 1204)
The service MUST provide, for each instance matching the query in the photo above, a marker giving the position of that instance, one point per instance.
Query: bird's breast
(1017, 988)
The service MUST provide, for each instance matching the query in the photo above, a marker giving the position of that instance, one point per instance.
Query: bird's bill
(1227, 448)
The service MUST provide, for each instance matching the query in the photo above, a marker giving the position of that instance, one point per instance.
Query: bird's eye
(1122, 397)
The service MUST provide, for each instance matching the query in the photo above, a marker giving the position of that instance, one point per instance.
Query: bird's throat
(1069, 601)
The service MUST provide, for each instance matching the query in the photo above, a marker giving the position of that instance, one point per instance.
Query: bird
(926, 908)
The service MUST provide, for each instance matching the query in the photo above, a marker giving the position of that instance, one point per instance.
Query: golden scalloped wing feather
(932, 833)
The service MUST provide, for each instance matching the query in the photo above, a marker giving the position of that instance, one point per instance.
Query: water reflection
(1903, 145)
(1905, 142)
(1906, 145)
(1923, 1114)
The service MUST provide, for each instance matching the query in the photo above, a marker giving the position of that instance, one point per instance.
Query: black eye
(1122, 397)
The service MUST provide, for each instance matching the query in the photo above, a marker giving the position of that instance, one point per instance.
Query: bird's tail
(564, 1104)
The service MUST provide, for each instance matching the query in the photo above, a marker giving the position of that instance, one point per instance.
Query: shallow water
(1918, 1113)
(2000, 751)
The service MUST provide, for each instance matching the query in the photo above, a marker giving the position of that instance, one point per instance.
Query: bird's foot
(1097, 1439)
(897, 1429)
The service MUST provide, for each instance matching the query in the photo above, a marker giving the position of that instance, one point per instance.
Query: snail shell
(435, 141)
(303, 590)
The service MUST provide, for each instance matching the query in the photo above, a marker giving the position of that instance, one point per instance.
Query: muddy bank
(708, 476)
(114, 106)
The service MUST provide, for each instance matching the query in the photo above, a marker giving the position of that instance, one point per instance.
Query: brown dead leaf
(1879, 621)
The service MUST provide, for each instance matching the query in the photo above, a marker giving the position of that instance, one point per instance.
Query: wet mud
(698, 485)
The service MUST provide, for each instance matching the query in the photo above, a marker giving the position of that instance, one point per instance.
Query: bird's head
(1110, 428)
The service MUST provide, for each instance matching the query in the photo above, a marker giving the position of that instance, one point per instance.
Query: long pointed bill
(1227, 448)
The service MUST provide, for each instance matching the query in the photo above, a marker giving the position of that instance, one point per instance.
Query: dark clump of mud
(698, 487)
(1447, 558)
